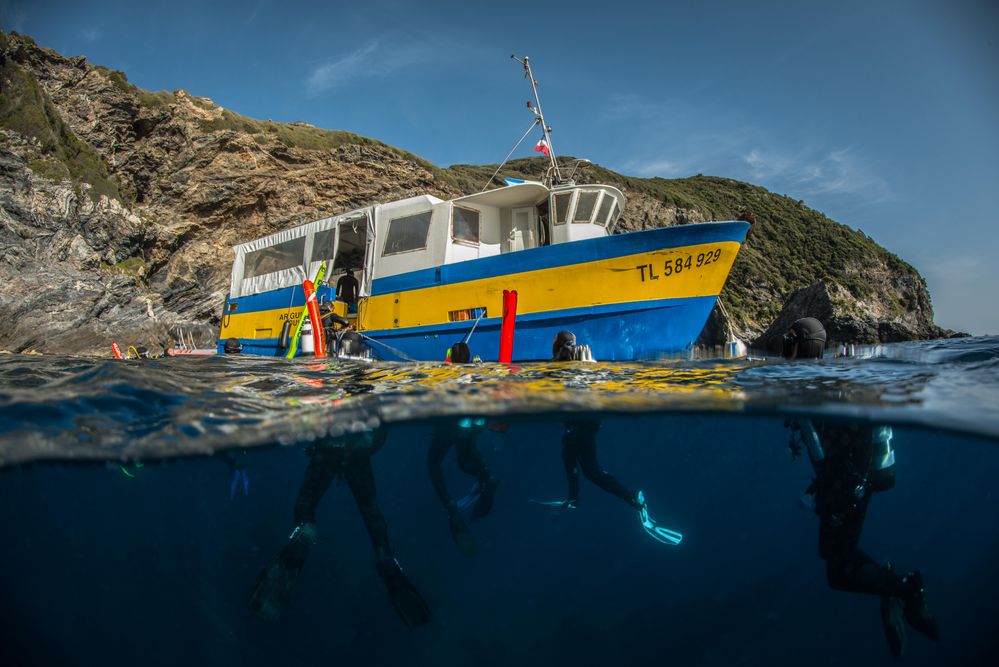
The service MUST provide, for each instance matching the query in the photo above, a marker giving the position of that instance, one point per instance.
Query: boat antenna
(528, 74)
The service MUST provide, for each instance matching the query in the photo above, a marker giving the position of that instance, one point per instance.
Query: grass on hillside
(26, 109)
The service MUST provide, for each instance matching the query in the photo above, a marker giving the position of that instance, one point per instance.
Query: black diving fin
(460, 533)
(272, 590)
(408, 602)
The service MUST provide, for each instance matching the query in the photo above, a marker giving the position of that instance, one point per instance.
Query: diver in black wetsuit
(461, 434)
(348, 457)
(851, 463)
(579, 453)
(806, 339)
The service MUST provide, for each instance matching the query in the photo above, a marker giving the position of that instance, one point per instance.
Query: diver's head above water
(805, 340)
(564, 346)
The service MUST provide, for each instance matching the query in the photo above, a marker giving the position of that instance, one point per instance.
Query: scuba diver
(461, 434)
(347, 457)
(806, 339)
(851, 463)
(342, 339)
(347, 290)
(579, 452)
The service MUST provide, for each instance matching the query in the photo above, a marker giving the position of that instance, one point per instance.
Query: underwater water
(130, 535)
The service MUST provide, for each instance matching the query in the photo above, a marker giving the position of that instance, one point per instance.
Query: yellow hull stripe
(644, 276)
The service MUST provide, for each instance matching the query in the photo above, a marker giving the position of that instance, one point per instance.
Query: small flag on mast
(542, 147)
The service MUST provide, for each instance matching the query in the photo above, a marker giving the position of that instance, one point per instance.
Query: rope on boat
(387, 346)
(533, 123)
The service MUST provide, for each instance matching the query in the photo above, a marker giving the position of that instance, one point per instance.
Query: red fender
(509, 320)
(317, 321)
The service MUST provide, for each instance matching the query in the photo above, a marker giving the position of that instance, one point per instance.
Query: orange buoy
(317, 321)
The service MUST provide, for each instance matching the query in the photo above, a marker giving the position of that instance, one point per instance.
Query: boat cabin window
(465, 226)
(407, 233)
(562, 201)
(603, 213)
(584, 206)
(278, 257)
(322, 245)
(615, 214)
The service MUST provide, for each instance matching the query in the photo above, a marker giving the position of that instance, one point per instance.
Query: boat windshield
(596, 205)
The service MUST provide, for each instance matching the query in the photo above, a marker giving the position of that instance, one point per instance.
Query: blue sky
(882, 114)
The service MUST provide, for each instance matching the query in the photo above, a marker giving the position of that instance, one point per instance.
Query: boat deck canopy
(521, 194)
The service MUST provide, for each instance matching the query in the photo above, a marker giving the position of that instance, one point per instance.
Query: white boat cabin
(423, 232)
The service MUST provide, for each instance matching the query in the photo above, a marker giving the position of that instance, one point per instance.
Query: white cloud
(368, 61)
(256, 10)
(807, 174)
(92, 34)
(652, 168)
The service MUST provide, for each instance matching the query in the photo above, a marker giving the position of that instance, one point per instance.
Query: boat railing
(575, 168)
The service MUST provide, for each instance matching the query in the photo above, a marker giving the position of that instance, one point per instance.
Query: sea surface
(140, 500)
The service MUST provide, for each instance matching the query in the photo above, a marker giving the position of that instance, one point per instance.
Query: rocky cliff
(119, 207)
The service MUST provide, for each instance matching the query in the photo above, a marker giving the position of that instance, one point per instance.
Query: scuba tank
(284, 340)
(803, 433)
(307, 341)
(861, 461)
(882, 475)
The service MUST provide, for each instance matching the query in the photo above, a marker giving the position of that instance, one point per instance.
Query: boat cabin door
(351, 248)
(523, 230)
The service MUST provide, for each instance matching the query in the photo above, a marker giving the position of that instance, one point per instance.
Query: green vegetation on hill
(292, 135)
(26, 109)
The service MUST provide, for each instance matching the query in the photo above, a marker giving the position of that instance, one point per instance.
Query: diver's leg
(435, 459)
(272, 591)
(848, 568)
(571, 471)
(318, 476)
(361, 481)
(408, 602)
(585, 445)
(460, 533)
(470, 462)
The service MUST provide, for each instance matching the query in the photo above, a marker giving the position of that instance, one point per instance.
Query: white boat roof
(510, 195)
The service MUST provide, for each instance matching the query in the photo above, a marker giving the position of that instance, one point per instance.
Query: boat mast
(526, 62)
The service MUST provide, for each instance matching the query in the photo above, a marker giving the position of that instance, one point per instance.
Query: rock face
(846, 319)
(118, 209)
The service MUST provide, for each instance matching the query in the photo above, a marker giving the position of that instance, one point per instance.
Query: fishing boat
(431, 273)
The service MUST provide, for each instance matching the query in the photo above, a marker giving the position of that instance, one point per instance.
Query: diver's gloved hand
(583, 353)
(655, 531)
(487, 494)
